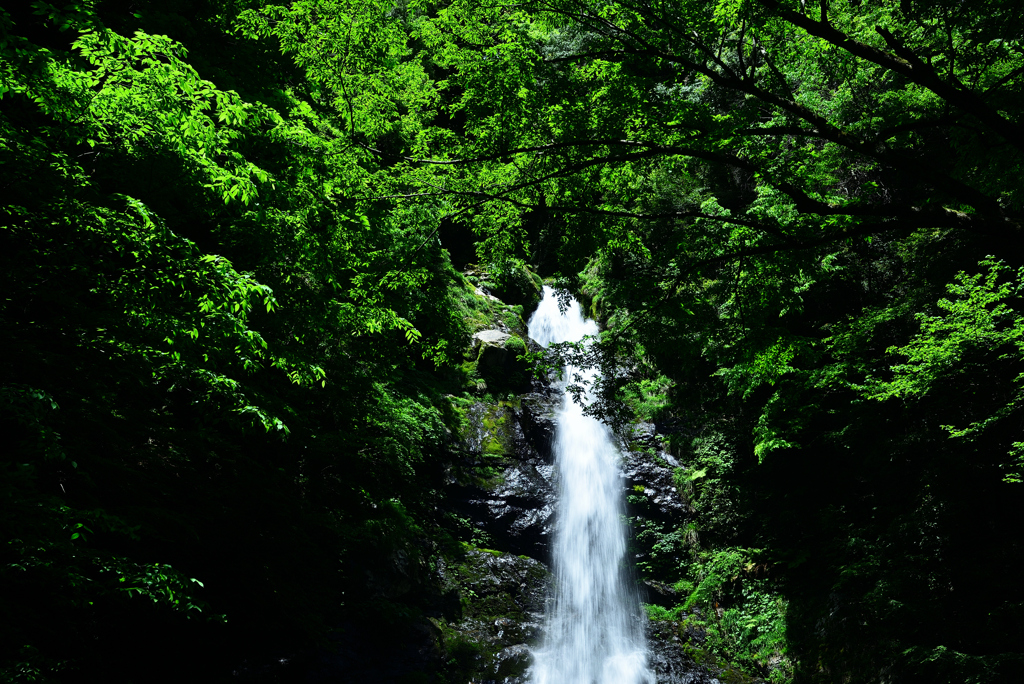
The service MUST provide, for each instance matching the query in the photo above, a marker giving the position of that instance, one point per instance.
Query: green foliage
(250, 368)
(515, 345)
(661, 613)
(752, 632)
(221, 262)
(647, 398)
(757, 214)
(977, 318)
(976, 327)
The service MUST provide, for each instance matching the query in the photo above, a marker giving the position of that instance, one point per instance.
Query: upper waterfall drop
(594, 629)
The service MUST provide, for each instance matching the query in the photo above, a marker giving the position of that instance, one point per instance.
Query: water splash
(594, 629)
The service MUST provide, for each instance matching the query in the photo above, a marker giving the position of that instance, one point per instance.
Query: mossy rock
(499, 361)
(502, 600)
(489, 365)
(501, 585)
(517, 286)
(487, 430)
(479, 311)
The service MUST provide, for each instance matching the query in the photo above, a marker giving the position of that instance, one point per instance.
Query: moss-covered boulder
(490, 346)
(516, 285)
(500, 362)
(492, 359)
(504, 484)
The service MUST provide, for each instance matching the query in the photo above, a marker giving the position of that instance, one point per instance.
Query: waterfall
(594, 630)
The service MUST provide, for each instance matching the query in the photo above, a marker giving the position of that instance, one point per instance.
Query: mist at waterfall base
(594, 627)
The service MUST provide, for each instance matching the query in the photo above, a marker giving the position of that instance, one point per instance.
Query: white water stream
(594, 630)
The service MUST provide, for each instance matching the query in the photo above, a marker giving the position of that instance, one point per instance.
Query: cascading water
(593, 633)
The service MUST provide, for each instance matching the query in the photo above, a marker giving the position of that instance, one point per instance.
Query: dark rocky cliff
(482, 593)
(503, 487)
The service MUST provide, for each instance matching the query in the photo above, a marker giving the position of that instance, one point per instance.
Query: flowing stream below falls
(594, 627)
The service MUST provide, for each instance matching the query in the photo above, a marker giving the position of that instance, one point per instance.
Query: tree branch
(909, 65)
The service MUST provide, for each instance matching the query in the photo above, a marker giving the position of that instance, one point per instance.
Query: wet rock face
(653, 477)
(502, 608)
(647, 472)
(537, 421)
(512, 498)
(668, 659)
(514, 501)
(505, 486)
(649, 467)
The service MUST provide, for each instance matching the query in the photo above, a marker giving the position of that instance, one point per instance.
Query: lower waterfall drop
(594, 632)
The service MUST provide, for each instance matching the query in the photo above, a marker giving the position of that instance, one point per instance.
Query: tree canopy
(234, 318)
